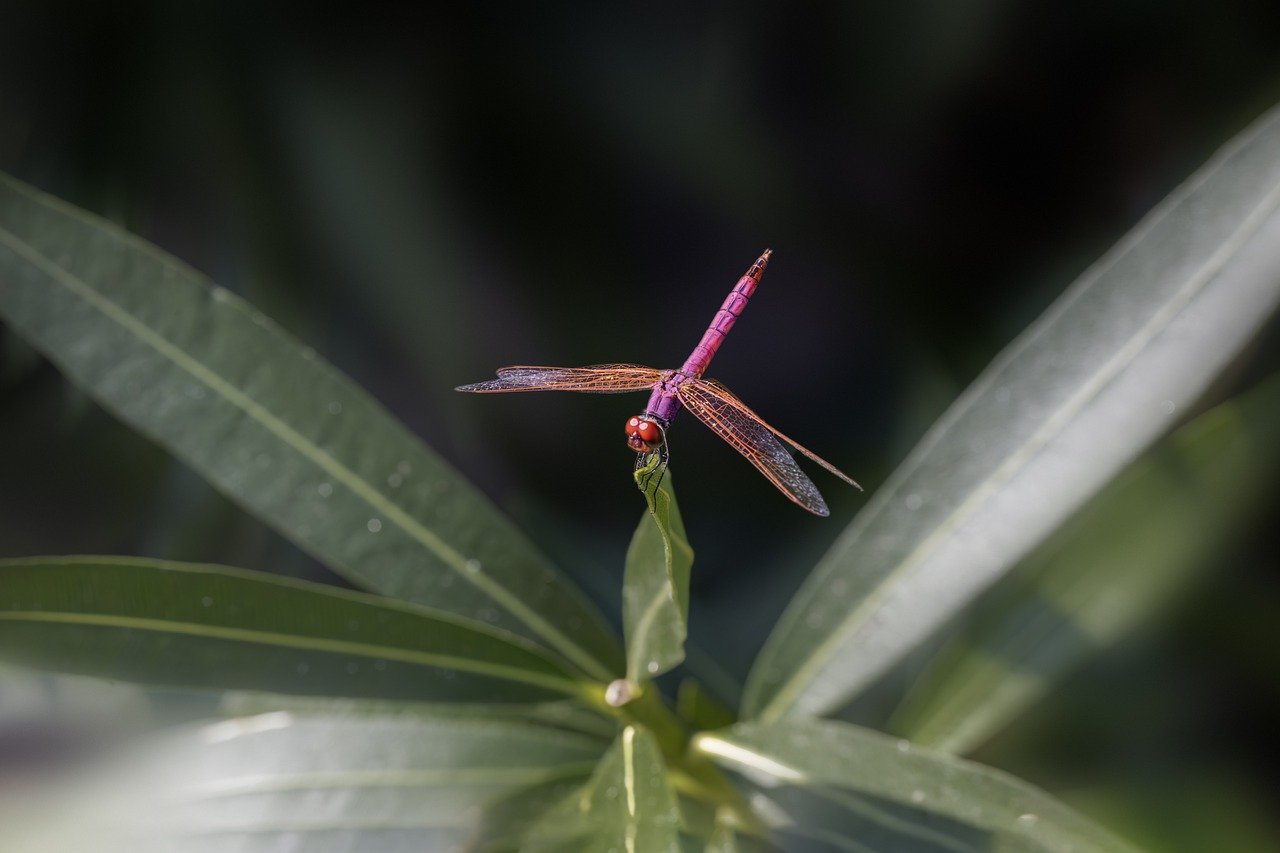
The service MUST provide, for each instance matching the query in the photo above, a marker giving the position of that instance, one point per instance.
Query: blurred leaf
(655, 587)
(626, 805)
(565, 714)
(321, 783)
(1083, 391)
(1123, 556)
(211, 626)
(273, 426)
(701, 710)
(835, 782)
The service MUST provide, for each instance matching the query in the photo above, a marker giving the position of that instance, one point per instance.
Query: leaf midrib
(300, 642)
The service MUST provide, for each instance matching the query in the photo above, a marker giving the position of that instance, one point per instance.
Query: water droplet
(260, 319)
(335, 408)
(1167, 406)
(917, 796)
(207, 601)
(325, 489)
(394, 481)
(652, 666)
(308, 353)
(403, 467)
(914, 501)
(904, 745)
(220, 294)
(619, 693)
(611, 792)
(374, 525)
(1028, 819)
(473, 566)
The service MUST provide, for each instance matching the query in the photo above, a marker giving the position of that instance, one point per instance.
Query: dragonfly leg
(652, 463)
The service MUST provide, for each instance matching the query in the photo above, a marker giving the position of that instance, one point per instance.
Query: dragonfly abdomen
(696, 364)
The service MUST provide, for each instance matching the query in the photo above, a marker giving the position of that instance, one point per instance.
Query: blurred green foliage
(427, 196)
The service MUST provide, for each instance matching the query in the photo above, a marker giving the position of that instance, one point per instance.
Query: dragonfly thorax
(644, 433)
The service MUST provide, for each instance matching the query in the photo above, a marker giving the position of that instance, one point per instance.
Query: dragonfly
(673, 390)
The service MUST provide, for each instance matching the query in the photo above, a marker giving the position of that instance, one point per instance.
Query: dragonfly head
(643, 434)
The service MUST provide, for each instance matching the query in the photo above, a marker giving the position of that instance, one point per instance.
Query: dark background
(426, 197)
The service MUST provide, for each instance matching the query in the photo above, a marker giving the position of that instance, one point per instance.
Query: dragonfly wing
(749, 436)
(712, 389)
(595, 379)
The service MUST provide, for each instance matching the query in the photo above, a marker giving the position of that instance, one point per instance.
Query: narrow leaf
(1080, 394)
(1123, 556)
(211, 626)
(655, 587)
(564, 714)
(856, 789)
(273, 426)
(626, 805)
(321, 782)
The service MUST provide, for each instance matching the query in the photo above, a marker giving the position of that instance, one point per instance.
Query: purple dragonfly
(712, 403)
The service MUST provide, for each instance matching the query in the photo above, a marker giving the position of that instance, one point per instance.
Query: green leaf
(701, 710)
(273, 426)
(211, 626)
(324, 783)
(565, 714)
(1119, 559)
(857, 789)
(655, 588)
(626, 806)
(1081, 393)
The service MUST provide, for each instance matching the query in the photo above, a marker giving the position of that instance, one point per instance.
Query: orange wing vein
(594, 379)
(714, 389)
(754, 439)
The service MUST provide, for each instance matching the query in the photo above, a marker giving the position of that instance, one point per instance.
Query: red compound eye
(641, 432)
(649, 432)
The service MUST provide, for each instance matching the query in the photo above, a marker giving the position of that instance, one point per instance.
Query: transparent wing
(748, 435)
(594, 379)
(712, 389)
